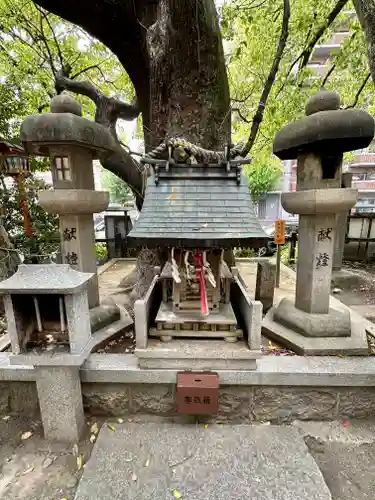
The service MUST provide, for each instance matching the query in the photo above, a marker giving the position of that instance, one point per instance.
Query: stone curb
(272, 371)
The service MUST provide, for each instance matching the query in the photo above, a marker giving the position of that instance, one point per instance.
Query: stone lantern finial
(64, 103)
(324, 100)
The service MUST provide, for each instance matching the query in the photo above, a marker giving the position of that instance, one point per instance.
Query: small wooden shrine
(197, 211)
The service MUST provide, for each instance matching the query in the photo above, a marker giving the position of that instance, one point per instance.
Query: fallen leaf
(205, 426)
(120, 420)
(346, 423)
(26, 435)
(272, 347)
(8, 417)
(147, 463)
(92, 438)
(80, 461)
(26, 471)
(134, 476)
(75, 450)
(47, 462)
(94, 428)
(64, 498)
(177, 494)
(111, 427)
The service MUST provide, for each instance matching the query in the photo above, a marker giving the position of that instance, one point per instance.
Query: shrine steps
(196, 354)
(158, 461)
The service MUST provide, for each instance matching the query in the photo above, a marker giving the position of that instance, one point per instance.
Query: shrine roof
(45, 279)
(190, 206)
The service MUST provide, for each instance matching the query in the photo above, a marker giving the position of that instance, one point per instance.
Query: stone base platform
(336, 323)
(65, 359)
(191, 462)
(354, 345)
(195, 354)
(345, 279)
(220, 324)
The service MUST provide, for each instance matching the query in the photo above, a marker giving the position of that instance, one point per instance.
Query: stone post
(60, 401)
(265, 284)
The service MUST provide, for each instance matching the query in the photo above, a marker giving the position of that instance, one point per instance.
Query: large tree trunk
(173, 53)
(188, 82)
(366, 14)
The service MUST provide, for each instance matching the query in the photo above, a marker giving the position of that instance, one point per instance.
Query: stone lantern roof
(326, 129)
(194, 206)
(64, 125)
(45, 279)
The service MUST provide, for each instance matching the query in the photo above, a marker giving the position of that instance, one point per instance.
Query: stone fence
(282, 389)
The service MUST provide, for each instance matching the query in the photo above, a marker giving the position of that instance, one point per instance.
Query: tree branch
(93, 66)
(58, 48)
(44, 39)
(359, 92)
(258, 117)
(328, 74)
(304, 56)
(243, 118)
(108, 111)
(82, 88)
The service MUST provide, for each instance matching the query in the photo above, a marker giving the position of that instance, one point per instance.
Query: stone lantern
(318, 142)
(13, 159)
(71, 142)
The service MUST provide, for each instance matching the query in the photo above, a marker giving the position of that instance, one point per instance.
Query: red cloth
(202, 283)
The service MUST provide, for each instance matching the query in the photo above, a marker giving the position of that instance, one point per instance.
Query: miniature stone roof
(64, 125)
(326, 129)
(190, 206)
(45, 279)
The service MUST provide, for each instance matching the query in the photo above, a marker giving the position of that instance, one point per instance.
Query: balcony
(365, 159)
(364, 185)
(323, 52)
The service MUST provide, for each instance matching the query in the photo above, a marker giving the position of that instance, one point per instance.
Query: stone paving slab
(149, 461)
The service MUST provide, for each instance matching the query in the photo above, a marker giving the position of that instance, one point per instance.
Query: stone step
(197, 354)
(221, 462)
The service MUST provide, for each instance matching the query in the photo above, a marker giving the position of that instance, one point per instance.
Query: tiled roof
(194, 207)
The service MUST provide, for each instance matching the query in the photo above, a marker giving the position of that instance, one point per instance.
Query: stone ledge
(14, 373)
(112, 262)
(272, 371)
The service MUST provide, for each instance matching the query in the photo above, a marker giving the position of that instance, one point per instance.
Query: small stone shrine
(71, 142)
(48, 319)
(312, 325)
(196, 211)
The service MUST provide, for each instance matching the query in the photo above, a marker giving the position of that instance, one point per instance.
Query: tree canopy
(252, 30)
(36, 45)
(268, 45)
